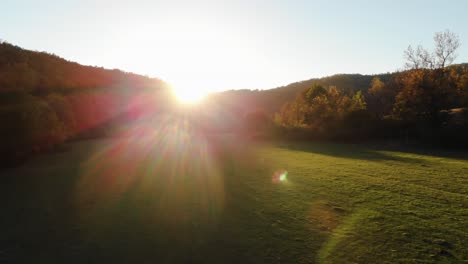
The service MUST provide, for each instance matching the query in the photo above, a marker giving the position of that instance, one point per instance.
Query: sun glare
(187, 95)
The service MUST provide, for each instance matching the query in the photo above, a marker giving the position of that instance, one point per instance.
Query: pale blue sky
(217, 45)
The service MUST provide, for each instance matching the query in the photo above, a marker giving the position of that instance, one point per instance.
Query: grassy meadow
(194, 199)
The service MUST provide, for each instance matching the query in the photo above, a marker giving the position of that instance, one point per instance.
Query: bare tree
(419, 58)
(446, 45)
(412, 61)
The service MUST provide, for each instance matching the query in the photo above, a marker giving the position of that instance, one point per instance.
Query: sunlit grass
(283, 203)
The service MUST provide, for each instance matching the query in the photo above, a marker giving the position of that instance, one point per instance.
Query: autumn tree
(358, 102)
(321, 109)
(427, 87)
(380, 97)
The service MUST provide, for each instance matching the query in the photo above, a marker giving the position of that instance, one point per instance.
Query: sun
(187, 95)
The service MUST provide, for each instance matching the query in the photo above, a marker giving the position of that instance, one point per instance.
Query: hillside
(46, 100)
(32, 71)
(271, 100)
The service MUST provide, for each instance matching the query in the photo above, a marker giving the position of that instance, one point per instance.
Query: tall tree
(446, 44)
(427, 88)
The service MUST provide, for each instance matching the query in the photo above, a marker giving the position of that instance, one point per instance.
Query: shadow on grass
(424, 150)
(163, 192)
(350, 151)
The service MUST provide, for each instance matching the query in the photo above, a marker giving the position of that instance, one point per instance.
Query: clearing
(207, 200)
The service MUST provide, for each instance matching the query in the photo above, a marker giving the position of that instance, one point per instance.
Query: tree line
(46, 100)
(426, 102)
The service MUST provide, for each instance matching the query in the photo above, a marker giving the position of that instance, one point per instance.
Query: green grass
(216, 201)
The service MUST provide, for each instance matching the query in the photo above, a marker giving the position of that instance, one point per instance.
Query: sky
(220, 45)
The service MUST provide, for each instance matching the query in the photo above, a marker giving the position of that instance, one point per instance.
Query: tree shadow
(423, 150)
(350, 151)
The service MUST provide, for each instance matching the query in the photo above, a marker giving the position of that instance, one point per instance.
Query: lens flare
(280, 176)
(160, 171)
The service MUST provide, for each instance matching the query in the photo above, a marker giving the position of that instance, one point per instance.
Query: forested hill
(272, 100)
(32, 71)
(46, 100)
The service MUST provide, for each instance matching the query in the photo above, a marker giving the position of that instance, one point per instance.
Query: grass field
(136, 200)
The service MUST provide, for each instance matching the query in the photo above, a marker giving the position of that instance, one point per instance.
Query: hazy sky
(217, 45)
